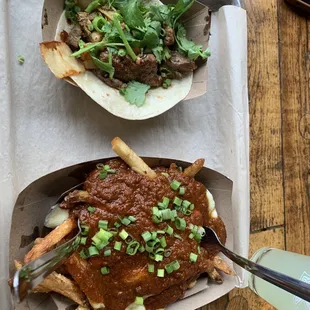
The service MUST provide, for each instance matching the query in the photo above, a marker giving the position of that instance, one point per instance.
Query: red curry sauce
(128, 193)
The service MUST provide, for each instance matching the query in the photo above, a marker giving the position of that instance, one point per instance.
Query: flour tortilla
(158, 100)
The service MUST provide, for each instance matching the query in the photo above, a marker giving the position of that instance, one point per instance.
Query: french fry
(193, 169)
(221, 265)
(131, 158)
(58, 283)
(192, 284)
(82, 308)
(57, 56)
(50, 240)
(215, 276)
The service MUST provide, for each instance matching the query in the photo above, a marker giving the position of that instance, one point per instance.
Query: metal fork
(32, 274)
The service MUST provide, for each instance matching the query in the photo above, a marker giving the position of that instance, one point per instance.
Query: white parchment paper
(47, 124)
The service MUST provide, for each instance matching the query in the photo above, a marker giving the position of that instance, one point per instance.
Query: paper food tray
(33, 204)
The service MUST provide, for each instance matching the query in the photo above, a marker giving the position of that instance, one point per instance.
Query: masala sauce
(128, 193)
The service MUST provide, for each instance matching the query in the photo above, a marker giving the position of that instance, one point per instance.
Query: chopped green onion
(123, 234)
(177, 201)
(162, 205)
(186, 203)
(104, 235)
(176, 265)
(160, 232)
(180, 168)
(167, 252)
(163, 242)
(165, 174)
(129, 239)
(198, 249)
(131, 218)
(132, 248)
(117, 224)
(106, 167)
(93, 251)
(182, 190)
(125, 221)
(84, 254)
(169, 230)
(178, 236)
(156, 219)
(192, 207)
(107, 252)
(166, 214)
(91, 209)
(117, 245)
(154, 234)
(113, 230)
(187, 212)
(174, 214)
(98, 23)
(146, 236)
(153, 243)
(141, 248)
(105, 270)
(156, 211)
(158, 257)
(180, 223)
(85, 230)
(149, 248)
(139, 301)
(160, 251)
(166, 201)
(193, 257)
(111, 171)
(102, 175)
(100, 166)
(21, 59)
(175, 185)
(173, 266)
(121, 52)
(191, 236)
(161, 273)
(103, 224)
(83, 240)
(151, 268)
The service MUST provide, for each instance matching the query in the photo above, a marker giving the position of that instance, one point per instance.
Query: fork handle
(287, 283)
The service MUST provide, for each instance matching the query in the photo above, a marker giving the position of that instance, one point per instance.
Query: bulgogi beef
(169, 36)
(73, 37)
(104, 77)
(144, 70)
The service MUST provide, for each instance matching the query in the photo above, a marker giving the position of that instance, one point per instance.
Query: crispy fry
(57, 56)
(50, 240)
(82, 308)
(193, 169)
(131, 158)
(192, 284)
(215, 276)
(60, 284)
(221, 265)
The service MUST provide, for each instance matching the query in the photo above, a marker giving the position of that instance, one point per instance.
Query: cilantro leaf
(151, 38)
(161, 53)
(179, 9)
(160, 13)
(135, 93)
(188, 47)
(132, 14)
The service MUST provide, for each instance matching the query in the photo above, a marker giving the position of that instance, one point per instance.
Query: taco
(131, 57)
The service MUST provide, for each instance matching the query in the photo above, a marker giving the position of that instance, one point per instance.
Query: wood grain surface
(279, 98)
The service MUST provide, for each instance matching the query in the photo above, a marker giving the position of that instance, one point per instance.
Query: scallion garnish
(141, 248)
(132, 219)
(85, 230)
(160, 232)
(180, 168)
(151, 268)
(84, 254)
(83, 240)
(107, 252)
(178, 236)
(192, 207)
(91, 209)
(193, 257)
(156, 219)
(103, 224)
(177, 201)
(191, 236)
(105, 270)
(123, 234)
(175, 185)
(165, 174)
(117, 224)
(166, 201)
(198, 249)
(169, 230)
(186, 203)
(139, 300)
(117, 245)
(161, 205)
(173, 266)
(182, 190)
(180, 223)
(158, 257)
(166, 214)
(167, 252)
(132, 248)
(161, 273)
(125, 221)
(146, 236)
(93, 251)
(104, 236)
(163, 242)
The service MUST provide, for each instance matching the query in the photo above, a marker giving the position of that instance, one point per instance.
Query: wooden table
(279, 82)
